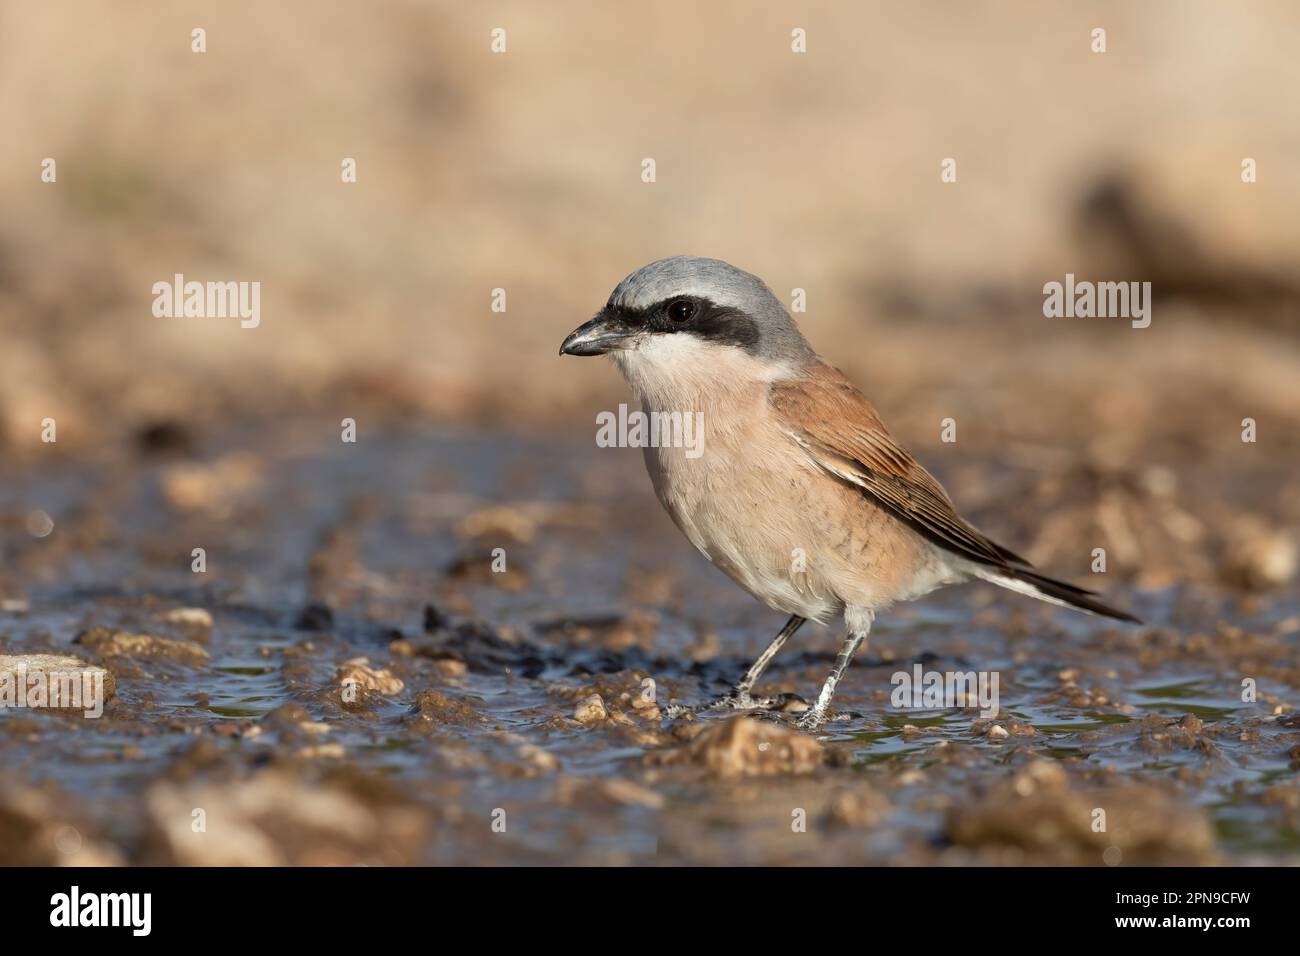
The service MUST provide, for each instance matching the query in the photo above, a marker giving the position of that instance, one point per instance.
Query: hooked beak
(604, 333)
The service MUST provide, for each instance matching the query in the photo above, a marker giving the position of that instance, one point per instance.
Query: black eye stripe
(710, 322)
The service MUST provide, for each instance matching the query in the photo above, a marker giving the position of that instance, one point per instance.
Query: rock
(442, 709)
(1041, 775)
(539, 758)
(594, 792)
(745, 747)
(165, 437)
(1259, 557)
(273, 819)
(1039, 817)
(646, 698)
(358, 670)
(590, 710)
(613, 632)
(315, 617)
(332, 751)
(434, 619)
(214, 487)
(631, 794)
(195, 617)
(857, 808)
(48, 681)
(997, 732)
(34, 832)
(110, 642)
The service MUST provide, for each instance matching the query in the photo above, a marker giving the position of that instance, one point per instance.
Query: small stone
(645, 698)
(997, 732)
(439, 708)
(357, 670)
(857, 808)
(274, 819)
(449, 667)
(631, 794)
(590, 710)
(1039, 775)
(330, 751)
(51, 681)
(434, 619)
(195, 617)
(111, 642)
(315, 617)
(539, 758)
(735, 748)
(37, 834)
(1260, 557)
(214, 487)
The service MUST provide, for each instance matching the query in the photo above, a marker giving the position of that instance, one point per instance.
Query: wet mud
(457, 647)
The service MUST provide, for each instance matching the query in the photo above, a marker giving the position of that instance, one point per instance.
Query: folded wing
(835, 424)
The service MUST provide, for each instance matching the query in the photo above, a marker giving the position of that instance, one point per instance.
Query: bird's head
(688, 316)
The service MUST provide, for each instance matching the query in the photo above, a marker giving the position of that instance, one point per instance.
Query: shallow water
(599, 591)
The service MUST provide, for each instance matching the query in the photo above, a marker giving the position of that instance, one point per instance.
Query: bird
(800, 494)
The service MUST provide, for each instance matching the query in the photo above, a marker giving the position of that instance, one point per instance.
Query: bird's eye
(681, 310)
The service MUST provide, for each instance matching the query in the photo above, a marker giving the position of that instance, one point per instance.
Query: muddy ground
(233, 735)
(472, 738)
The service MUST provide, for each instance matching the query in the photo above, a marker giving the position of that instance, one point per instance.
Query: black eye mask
(719, 324)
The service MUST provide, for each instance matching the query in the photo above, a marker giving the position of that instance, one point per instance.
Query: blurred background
(522, 171)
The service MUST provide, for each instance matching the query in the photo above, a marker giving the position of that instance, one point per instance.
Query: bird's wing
(836, 425)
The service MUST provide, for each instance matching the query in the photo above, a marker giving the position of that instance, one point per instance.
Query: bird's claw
(741, 700)
(809, 721)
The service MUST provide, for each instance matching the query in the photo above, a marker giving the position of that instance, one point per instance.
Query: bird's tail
(1052, 591)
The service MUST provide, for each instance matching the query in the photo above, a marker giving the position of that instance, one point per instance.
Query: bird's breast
(741, 503)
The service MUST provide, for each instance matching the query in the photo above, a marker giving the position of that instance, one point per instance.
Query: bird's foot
(737, 700)
(809, 720)
(812, 719)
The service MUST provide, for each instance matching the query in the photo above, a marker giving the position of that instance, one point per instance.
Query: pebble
(358, 670)
(745, 747)
(14, 666)
(274, 819)
(1260, 557)
(189, 617)
(330, 751)
(112, 642)
(590, 710)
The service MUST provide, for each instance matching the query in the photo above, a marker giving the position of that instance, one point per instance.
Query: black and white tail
(1050, 590)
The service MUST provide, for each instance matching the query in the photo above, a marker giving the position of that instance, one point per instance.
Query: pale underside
(774, 517)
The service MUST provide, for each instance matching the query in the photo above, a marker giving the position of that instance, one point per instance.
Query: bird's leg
(740, 698)
(759, 666)
(816, 715)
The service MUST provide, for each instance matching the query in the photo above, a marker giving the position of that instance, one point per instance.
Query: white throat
(681, 373)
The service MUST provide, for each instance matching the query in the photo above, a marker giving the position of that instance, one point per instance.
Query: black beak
(604, 333)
